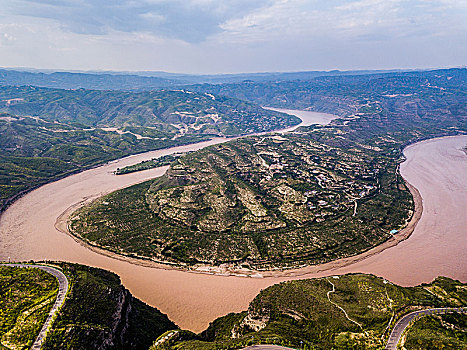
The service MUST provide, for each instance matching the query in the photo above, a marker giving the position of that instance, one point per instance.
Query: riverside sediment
(437, 168)
(62, 225)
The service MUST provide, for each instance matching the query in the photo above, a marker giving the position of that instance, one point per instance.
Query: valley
(35, 226)
(233, 175)
(28, 231)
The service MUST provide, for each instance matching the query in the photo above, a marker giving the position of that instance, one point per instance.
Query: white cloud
(228, 36)
(189, 20)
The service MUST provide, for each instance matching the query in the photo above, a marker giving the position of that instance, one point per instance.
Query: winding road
(396, 333)
(62, 291)
(402, 324)
(30, 230)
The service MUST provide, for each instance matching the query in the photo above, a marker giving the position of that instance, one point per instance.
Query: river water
(438, 168)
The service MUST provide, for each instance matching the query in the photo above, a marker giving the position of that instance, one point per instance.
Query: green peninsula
(317, 194)
(258, 201)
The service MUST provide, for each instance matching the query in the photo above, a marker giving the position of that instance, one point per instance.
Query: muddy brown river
(437, 168)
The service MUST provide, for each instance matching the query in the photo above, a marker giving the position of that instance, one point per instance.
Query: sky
(232, 36)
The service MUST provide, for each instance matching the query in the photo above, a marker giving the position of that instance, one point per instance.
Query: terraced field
(257, 201)
(26, 297)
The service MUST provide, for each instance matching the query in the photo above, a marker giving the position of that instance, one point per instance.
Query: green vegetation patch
(100, 313)
(149, 164)
(447, 331)
(309, 314)
(26, 297)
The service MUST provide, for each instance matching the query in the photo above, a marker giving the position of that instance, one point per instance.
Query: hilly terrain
(98, 313)
(49, 133)
(68, 80)
(311, 196)
(146, 81)
(341, 95)
(353, 311)
(173, 111)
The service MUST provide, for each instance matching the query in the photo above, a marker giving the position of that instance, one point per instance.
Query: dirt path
(339, 307)
(62, 290)
(437, 168)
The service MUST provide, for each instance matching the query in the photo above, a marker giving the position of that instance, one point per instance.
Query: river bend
(437, 168)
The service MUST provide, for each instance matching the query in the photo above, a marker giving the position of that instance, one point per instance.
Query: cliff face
(354, 311)
(99, 313)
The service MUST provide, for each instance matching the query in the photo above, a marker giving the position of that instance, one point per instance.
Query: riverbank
(438, 169)
(62, 225)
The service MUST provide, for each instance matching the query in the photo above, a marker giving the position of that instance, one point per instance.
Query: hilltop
(311, 196)
(98, 311)
(309, 314)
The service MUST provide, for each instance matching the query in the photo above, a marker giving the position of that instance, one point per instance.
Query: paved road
(402, 324)
(62, 290)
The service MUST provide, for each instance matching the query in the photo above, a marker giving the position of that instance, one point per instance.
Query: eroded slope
(353, 311)
(257, 201)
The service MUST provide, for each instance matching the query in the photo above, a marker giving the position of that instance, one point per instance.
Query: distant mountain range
(150, 80)
(67, 80)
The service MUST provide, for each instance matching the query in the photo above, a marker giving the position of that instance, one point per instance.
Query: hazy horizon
(155, 72)
(239, 36)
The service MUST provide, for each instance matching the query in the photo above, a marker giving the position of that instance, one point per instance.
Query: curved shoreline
(62, 225)
(437, 168)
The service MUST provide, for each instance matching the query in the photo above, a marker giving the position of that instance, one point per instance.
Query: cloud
(207, 36)
(360, 19)
(188, 20)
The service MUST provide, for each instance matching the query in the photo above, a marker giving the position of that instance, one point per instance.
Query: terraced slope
(257, 201)
(26, 297)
